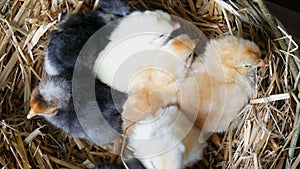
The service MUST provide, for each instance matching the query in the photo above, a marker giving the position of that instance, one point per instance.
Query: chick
(224, 80)
(136, 33)
(52, 99)
(65, 43)
(158, 85)
(166, 140)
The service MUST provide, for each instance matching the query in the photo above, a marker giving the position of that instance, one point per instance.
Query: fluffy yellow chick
(166, 140)
(225, 81)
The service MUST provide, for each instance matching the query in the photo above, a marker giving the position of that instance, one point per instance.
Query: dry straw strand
(267, 136)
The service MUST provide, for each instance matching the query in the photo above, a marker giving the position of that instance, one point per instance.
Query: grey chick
(52, 99)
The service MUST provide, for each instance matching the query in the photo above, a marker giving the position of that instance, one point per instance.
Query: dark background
(290, 4)
(288, 12)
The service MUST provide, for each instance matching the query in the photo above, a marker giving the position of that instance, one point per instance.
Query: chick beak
(262, 63)
(31, 114)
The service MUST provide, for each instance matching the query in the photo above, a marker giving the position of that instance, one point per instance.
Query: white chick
(166, 140)
(135, 34)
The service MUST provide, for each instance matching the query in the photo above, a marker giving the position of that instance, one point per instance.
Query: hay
(266, 138)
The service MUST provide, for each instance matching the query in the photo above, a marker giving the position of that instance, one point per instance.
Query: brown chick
(225, 81)
(156, 87)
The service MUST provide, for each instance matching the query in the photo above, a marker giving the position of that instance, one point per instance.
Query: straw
(267, 135)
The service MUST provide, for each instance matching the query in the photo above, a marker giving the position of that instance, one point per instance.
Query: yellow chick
(225, 81)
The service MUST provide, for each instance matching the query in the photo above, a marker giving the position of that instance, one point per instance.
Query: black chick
(65, 43)
(131, 163)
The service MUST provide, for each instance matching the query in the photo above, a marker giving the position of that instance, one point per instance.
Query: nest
(267, 137)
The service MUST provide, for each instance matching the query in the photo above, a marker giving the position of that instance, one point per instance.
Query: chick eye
(162, 35)
(247, 65)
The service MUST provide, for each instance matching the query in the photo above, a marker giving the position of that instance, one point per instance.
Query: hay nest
(266, 138)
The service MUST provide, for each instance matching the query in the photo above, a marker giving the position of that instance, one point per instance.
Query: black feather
(131, 164)
(65, 43)
(66, 117)
(116, 7)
